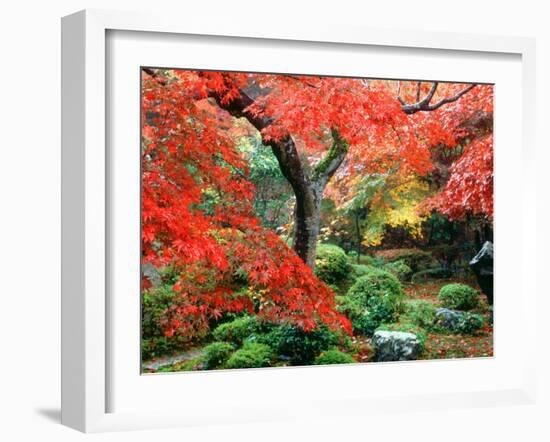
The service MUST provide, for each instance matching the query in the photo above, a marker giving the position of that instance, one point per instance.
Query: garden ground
(438, 342)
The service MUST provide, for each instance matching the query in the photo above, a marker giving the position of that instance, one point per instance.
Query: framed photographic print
(248, 215)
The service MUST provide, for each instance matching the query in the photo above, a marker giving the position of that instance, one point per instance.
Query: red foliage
(197, 215)
(197, 203)
(468, 122)
(470, 186)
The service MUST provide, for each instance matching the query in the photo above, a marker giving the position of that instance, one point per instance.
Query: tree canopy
(395, 150)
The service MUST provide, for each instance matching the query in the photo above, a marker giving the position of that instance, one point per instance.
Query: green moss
(339, 146)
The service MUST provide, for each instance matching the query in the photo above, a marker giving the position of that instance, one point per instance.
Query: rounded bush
(401, 270)
(217, 354)
(420, 312)
(376, 283)
(331, 263)
(373, 299)
(458, 296)
(237, 330)
(333, 357)
(252, 355)
(469, 323)
(297, 345)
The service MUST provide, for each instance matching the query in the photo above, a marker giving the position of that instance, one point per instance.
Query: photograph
(295, 220)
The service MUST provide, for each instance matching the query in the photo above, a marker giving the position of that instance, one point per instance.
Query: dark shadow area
(51, 414)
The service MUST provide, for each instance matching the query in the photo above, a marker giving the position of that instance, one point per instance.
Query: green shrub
(369, 260)
(217, 354)
(376, 283)
(435, 273)
(373, 299)
(359, 270)
(154, 343)
(420, 312)
(153, 305)
(333, 356)
(458, 296)
(469, 323)
(416, 259)
(408, 328)
(401, 270)
(365, 319)
(237, 330)
(299, 346)
(252, 355)
(331, 263)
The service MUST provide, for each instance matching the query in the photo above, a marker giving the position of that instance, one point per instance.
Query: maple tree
(198, 198)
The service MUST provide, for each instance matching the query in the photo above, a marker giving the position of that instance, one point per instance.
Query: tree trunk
(309, 196)
(308, 186)
(307, 221)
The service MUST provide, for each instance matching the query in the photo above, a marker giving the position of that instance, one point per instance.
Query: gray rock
(152, 274)
(448, 318)
(482, 265)
(395, 346)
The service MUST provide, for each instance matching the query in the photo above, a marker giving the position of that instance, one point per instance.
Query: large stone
(395, 346)
(447, 318)
(152, 274)
(482, 265)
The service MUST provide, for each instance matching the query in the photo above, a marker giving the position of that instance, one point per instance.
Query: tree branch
(324, 170)
(154, 74)
(425, 104)
(453, 98)
(285, 149)
(399, 93)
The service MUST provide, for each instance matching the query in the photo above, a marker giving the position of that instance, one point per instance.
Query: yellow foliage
(396, 205)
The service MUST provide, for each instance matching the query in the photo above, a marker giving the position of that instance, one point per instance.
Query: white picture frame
(85, 307)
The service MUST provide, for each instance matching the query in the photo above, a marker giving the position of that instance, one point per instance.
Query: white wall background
(30, 216)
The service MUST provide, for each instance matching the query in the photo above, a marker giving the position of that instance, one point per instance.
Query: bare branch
(425, 105)
(154, 73)
(453, 98)
(308, 83)
(428, 98)
(399, 93)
